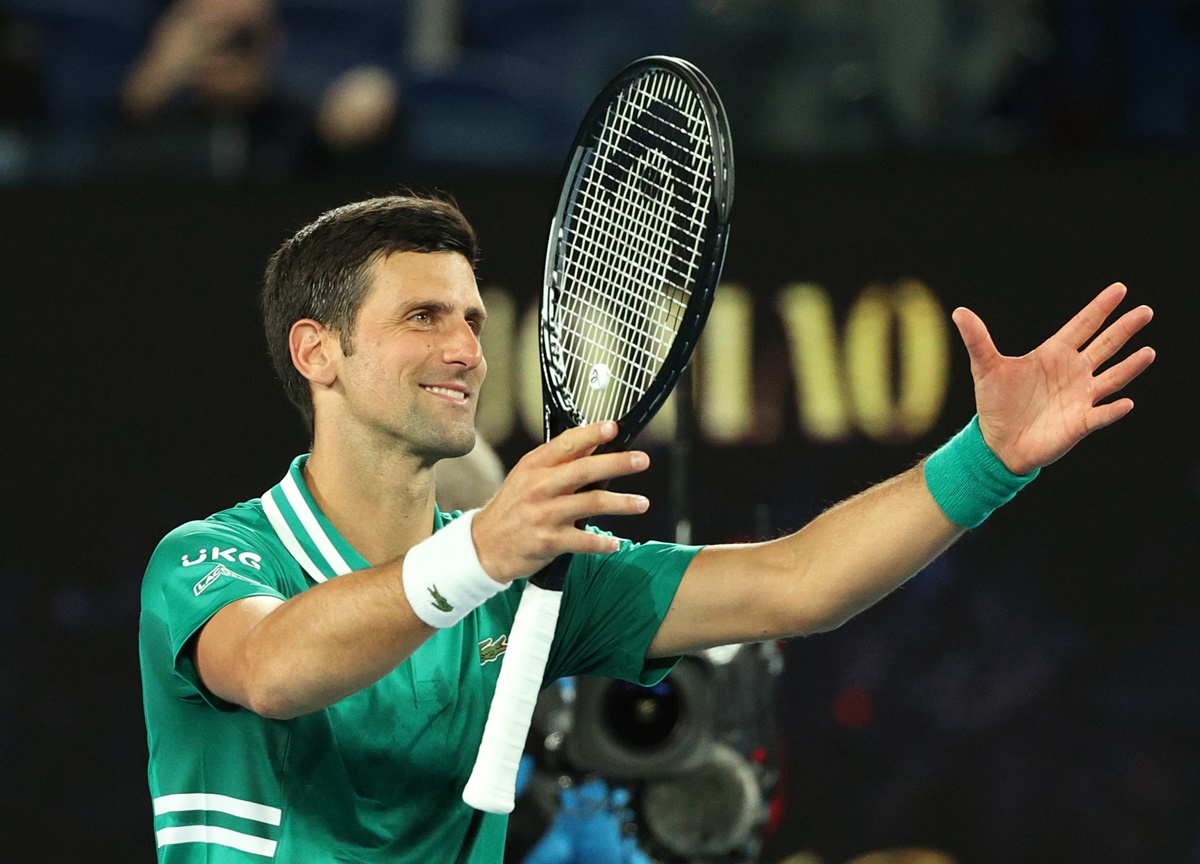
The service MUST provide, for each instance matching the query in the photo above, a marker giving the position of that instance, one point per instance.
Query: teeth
(445, 391)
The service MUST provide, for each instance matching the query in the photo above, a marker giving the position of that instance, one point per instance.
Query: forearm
(844, 560)
(859, 551)
(839, 564)
(316, 648)
(864, 548)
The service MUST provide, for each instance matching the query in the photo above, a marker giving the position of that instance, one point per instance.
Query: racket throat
(553, 576)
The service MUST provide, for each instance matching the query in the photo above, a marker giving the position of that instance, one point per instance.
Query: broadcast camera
(695, 752)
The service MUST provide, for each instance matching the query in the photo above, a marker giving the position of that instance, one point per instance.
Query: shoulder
(240, 537)
(244, 527)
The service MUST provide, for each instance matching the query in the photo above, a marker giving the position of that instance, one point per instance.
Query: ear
(316, 351)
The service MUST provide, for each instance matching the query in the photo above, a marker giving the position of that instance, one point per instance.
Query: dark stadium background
(1032, 697)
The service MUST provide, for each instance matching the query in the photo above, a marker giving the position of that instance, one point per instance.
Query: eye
(421, 318)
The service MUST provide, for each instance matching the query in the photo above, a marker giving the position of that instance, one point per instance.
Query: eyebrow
(441, 307)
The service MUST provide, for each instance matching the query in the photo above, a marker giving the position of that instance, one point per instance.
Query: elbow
(818, 601)
(795, 599)
(836, 611)
(272, 703)
(806, 615)
(247, 685)
(809, 622)
(278, 689)
(828, 621)
(270, 692)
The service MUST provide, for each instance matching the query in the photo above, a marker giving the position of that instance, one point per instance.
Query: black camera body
(695, 750)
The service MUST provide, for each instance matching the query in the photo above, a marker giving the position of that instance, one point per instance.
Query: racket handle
(494, 778)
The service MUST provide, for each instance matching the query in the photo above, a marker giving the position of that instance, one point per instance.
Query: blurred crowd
(268, 90)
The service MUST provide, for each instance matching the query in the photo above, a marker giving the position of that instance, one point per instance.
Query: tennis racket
(636, 248)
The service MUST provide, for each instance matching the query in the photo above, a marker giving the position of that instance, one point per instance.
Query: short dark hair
(321, 272)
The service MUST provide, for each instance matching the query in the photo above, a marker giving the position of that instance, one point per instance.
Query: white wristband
(442, 575)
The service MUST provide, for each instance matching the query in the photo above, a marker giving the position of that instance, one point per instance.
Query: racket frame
(560, 413)
(492, 781)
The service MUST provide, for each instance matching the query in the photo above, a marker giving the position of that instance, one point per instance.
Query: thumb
(980, 347)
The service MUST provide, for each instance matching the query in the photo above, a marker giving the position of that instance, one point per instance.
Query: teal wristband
(968, 481)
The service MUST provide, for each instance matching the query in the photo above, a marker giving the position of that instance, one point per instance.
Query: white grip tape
(494, 778)
(443, 578)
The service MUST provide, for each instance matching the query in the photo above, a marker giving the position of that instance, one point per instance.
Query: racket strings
(634, 242)
(632, 371)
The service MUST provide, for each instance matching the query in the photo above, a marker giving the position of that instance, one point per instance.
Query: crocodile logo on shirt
(440, 603)
(490, 649)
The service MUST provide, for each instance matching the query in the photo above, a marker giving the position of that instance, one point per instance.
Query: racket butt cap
(478, 796)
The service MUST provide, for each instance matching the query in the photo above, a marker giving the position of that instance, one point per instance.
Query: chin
(451, 446)
(463, 449)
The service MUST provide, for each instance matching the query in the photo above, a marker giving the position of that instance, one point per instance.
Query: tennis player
(318, 663)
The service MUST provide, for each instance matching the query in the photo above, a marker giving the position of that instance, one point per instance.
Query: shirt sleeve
(612, 608)
(198, 569)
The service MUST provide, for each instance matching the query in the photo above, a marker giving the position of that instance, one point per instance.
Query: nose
(461, 345)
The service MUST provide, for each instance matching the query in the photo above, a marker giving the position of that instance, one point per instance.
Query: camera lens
(642, 718)
(624, 730)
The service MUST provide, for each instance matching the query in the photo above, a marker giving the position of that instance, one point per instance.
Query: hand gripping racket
(635, 253)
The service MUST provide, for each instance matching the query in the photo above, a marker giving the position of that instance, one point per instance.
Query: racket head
(641, 224)
(669, 195)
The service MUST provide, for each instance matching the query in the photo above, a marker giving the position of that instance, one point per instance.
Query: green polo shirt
(376, 777)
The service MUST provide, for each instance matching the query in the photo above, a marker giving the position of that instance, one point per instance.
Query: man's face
(416, 365)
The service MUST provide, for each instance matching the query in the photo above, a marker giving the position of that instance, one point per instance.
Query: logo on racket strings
(599, 377)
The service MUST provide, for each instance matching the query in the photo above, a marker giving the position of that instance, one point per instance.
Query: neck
(380, 500)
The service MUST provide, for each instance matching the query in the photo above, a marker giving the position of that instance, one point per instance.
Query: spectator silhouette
(202, 94)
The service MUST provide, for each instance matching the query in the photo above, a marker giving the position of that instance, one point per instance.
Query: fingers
(532, 518)
(572, 463)
(574, 443)
(1105, 415)
(1116, 335)
(1088, 320)
(567, 462)
(580, 542)
(560, 484)
(576, 508)
(599, 502)
(975, 336)
(574, 541)
(588, 470)
(1116, 377)
(516, 539)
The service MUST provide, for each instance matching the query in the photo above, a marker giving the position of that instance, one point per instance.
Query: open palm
(1034, 408)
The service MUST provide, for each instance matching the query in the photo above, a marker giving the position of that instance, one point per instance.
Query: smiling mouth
(456, 395)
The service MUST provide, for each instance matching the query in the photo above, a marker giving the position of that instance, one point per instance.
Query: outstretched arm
(1032, 410)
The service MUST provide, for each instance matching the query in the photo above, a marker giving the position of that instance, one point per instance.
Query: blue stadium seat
(490, 110)
(87, 47)
(324, 38)
(579, 42)
(1162, 73)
